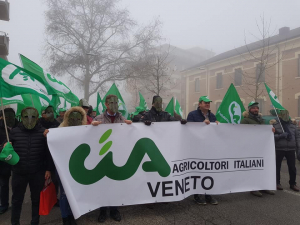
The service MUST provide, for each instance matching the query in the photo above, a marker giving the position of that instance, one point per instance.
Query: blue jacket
(197, 116)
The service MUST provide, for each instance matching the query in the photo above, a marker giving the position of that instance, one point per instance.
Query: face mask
(284, 115)
(158, 104)
(49, 114)
(75, 119)
(113, 104)
(10, 119)
(29, 118)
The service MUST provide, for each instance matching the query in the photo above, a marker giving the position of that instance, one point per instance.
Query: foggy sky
(217, 25)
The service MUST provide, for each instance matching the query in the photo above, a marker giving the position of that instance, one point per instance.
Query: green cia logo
(107, 168)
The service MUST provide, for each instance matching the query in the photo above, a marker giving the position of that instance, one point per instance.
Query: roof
(284, 35)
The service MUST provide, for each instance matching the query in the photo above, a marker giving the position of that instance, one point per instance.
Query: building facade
(274, 61)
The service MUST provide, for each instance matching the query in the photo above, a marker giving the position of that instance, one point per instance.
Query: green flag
(13, 100)
(274, 100)
(170, 107)
(15, 80)
(53, 85)
(231, 108)
(32, 101)
(115, 91)
(100, 105)
(143, 103)
(178, 109)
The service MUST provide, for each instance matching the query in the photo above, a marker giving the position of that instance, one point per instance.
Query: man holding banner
(111, 115)
(253, 117)
(203, 114)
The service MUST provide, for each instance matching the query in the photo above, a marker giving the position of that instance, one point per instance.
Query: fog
(215, 25)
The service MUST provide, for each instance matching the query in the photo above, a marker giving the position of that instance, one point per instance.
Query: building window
(298, 106)
(219, 80)
(197, 85)
(238, 77)
(217, 106)
(261, 105)
(298, 65)
(260, 73)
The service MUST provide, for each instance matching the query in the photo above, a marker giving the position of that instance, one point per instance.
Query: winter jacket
(47, 124)
(104, 118)
(59, 119)
(89, 119)
(197, 116)
(5, 168)
(249, 119)
(32, 148)
(283, 144)
(154, 116)
(65, 122)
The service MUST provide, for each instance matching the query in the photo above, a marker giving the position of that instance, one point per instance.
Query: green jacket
(248, 119)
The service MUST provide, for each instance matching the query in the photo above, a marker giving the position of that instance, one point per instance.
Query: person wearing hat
(34, 165)
(5, 168)
(252, 116)
(287, 142)
(203, 114)
(138, 114)
(85, 105)
(156, 114)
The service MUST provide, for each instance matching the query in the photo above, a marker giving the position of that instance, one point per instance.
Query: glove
(284, 135)
(147, 122)
(183, 121)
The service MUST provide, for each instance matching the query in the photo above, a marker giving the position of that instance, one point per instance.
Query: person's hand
(217, 122)
(207, 122)
(128, 121)
(96, 123)
(5, 144)
(273, 129)
(183, 121)
(46, 132)
(147, 122)
(47, 175)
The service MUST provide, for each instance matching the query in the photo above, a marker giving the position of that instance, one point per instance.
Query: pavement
(238, 208)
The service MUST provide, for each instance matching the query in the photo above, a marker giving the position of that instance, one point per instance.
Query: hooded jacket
(283, 144)
(65, 122)
(249, 119)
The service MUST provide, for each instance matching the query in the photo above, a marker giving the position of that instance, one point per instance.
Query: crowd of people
(29, 140)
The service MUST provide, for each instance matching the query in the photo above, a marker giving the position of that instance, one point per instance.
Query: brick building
(281, 71)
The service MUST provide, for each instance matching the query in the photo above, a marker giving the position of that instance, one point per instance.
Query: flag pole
(32, 101)
(4, 121)
(278, 119)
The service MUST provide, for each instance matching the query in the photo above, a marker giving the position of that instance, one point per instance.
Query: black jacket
(197, 116)
(5, 168)
(154, 116)
(47, 124)
(32, 148)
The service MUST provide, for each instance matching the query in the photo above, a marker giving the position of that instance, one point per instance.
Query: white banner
(120, 164)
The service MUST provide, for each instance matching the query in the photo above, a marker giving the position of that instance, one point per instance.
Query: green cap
(205, 99)
(9, 155)
(62, 110)
(252, 103)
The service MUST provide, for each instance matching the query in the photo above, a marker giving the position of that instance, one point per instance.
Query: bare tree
(94, 41)
(263, 54)
(155, 75)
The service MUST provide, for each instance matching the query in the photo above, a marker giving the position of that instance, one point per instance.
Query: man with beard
(5, 168)
(287, 142)
(111, 115)
(252, 116)
(34, 165)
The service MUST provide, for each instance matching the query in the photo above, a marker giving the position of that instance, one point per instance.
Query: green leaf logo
(103, 138)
